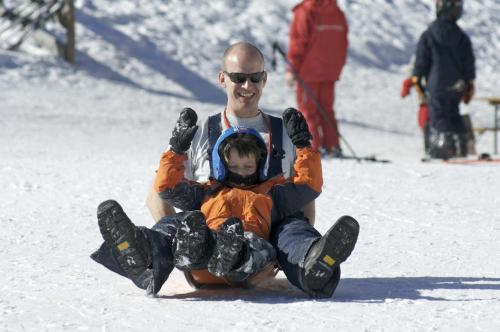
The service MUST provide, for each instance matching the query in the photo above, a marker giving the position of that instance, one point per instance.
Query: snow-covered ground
(428, 256)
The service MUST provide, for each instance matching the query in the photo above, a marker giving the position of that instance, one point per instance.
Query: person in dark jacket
(445, 59)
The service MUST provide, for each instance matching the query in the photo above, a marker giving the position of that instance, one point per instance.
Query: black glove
(184, 131)
(296, 127)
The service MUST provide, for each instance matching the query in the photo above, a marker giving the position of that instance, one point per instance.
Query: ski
(483, 158)
(371, 158)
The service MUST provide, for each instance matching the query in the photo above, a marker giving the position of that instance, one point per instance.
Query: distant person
(445, 59)
(317, 53)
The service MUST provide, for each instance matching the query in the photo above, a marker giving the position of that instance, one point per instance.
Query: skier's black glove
(184, 131)
(296, 127)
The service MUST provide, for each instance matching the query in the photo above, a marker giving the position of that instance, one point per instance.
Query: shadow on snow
(411, 288)
(370, 290)
(147, 53)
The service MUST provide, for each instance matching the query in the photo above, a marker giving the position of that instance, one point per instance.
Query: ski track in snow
(427, 257)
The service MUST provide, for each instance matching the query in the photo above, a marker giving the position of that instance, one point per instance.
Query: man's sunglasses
(240, 78)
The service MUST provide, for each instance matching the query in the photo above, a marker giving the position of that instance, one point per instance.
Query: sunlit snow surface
(428, 255)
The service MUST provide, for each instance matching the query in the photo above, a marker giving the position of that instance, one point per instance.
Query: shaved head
(243, 96)
(242, 50)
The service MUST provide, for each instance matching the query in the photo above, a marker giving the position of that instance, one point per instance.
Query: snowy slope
(71, 137)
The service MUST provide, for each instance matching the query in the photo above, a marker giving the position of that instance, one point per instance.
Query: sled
(202, 279)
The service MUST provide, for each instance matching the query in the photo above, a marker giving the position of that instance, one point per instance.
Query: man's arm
(310, 212)
(298, 38)
(158, 207)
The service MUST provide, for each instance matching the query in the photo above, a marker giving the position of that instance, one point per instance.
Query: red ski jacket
(318, 40)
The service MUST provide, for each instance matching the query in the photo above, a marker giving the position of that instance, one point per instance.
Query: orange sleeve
(307, 168)
(170, 172)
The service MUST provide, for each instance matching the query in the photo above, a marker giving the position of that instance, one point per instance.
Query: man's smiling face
(243, 98)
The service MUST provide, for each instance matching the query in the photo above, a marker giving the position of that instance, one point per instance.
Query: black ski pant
(292, 237)
(445, 113)
(161, 242)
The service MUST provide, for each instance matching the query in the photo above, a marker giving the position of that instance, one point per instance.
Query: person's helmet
(219, 166)
(451, 9)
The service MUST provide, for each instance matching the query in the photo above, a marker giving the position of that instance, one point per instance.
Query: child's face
(242, 165)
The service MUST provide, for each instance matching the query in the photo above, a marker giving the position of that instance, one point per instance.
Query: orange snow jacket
(318, 40)
(256, 206)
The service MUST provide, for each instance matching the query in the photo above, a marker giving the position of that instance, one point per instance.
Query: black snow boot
(229, 248)
(321, 264)
(427, 139)
(462, 142)
(128, 242)
(441, 145)
(194, 242)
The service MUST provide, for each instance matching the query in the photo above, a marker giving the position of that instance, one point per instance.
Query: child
(240, 190)
(445, 59)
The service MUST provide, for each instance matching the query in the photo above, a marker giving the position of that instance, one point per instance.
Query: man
(317, 53)
(304, 255)
(445, 60)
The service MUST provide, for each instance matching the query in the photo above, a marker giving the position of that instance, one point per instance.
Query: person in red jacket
(317, 53)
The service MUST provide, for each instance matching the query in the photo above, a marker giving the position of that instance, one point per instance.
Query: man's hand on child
(184, 131)
(296, 127)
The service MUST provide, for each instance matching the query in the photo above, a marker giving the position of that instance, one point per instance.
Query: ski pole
(276, 47)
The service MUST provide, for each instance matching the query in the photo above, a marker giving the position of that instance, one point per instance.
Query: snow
(72, 136)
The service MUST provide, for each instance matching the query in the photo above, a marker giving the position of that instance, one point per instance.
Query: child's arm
(301, 189)
(169, 182)
(305, 185)
(171, 185)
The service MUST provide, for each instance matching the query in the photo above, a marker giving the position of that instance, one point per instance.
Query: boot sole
(119, 231)
(335, 247)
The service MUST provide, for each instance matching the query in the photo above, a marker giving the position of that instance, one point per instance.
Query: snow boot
(228, 252)
(321, 264)
(462, 142)
(333, 152)
(128, 242)
(427, 139)
(194, 242)
(258, 263)
(441, 145)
